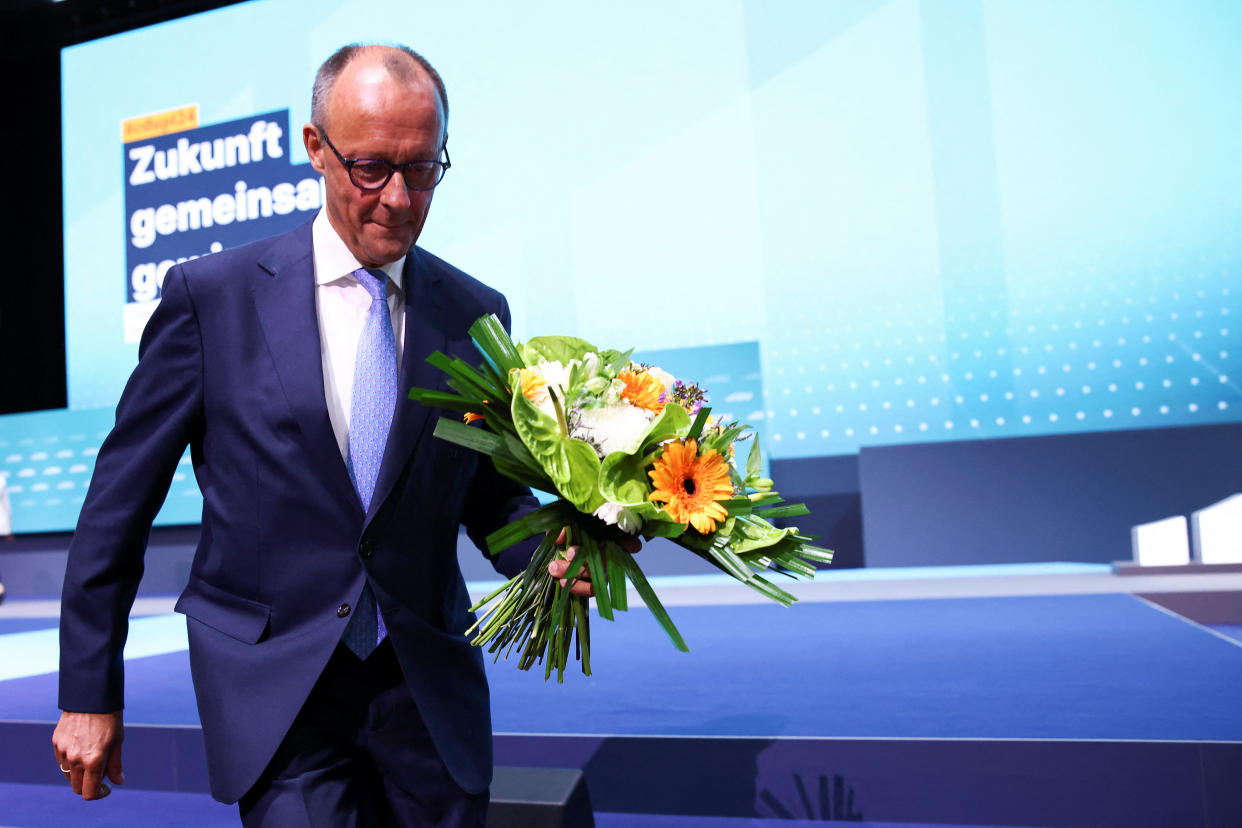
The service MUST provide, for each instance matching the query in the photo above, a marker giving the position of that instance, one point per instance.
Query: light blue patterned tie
(371, 407)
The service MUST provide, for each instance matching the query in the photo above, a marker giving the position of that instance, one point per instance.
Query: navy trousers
(359, 756)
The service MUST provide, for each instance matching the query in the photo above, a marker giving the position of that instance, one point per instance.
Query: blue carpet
(1073, 667)
(35, 652)
(54, 806)
(1233, 631)
(158, 691)
(16, 625)
(616, 820)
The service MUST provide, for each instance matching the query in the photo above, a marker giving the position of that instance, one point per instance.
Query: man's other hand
(582, 586)
(88, 748)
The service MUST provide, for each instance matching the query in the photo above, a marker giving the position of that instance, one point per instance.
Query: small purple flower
(689, 396)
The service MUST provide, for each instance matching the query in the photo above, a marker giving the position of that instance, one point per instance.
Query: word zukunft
(189, 158)
(243, 204)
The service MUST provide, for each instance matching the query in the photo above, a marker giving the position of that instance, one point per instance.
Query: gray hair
(396, 64)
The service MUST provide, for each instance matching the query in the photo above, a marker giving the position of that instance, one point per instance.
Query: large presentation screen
(861, 222)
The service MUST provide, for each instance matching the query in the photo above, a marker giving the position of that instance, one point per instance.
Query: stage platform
(1021, 694)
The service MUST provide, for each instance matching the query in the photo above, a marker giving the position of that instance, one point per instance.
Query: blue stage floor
(49, 806)
(1050, 696)
(1034, 667)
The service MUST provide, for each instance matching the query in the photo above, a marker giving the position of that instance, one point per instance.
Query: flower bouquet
(626, 449)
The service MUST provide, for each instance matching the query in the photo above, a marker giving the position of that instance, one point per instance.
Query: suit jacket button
(366, 550)
(342, 611)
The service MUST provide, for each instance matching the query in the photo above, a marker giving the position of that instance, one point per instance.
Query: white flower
(555, 376)
(615, 427)
(592, 365)
(663, 376)
(617, 515)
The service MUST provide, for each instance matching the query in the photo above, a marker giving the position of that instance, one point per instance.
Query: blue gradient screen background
(936, 220)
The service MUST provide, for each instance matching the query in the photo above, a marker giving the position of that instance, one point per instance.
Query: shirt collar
(333, 260)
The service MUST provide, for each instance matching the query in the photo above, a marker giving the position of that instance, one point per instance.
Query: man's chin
(383, 252)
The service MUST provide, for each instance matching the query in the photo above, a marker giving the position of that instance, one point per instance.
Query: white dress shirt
(342, 305)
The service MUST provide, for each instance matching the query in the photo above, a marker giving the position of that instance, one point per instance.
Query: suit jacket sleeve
(159, 413)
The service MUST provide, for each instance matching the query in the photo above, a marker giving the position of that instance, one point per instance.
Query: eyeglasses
(374, 173)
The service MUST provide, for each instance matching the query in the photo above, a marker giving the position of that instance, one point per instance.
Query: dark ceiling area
(32, 327)
(34, 25)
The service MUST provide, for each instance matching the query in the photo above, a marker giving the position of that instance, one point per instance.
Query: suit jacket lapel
(284, 298)
(423, 335)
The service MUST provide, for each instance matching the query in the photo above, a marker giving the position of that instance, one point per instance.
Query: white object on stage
(1161, 543)
(1216, 532)
(6, 510)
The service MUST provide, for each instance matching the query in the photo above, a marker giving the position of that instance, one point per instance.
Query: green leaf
(700, 420)
(649, 598)
(563, 594)
(754, 461)
(721, 440)
(528, 475)
(663, 529)
(584, 636)
(789, 564)
(599, 574)
(539, 433)
(815, 553)
(730, 562)
(544, 519)
(616, 583)
(519, 456)
(560, 349)
(623, 480)
(766, 498)
(751, 532)
(493, 342)
(581, 487)
(615, 361)
(738, 506)
(572, 465)
(672, 424)
(466, 378)
(473, 384)
(656, 522)
(765, 587)
(792, 510)
(443, 399)
(477, 439)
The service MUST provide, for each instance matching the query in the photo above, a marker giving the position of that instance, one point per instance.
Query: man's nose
(394, 195)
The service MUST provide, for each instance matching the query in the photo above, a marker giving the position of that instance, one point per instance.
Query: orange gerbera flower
(642, 390)
(692, 486)
(533, 385)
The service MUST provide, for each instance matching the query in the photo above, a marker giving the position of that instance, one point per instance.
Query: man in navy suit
(250, 359)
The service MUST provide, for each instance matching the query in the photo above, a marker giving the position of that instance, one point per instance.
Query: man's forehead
(385, 67)
(373, 85)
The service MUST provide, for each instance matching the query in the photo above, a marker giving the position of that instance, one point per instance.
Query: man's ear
(315, 147)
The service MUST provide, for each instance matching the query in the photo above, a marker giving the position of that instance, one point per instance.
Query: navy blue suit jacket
(230, 365)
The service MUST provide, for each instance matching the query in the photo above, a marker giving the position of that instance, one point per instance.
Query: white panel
(1161, 543)
(1217, 532)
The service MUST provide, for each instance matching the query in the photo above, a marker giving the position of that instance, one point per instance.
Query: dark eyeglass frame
(349, 163)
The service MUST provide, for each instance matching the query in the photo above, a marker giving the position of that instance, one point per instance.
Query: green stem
(560, 412)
